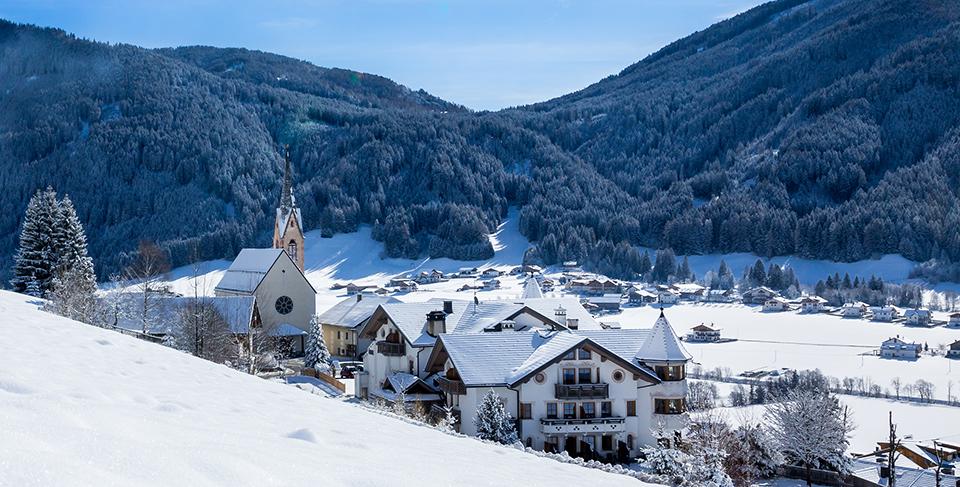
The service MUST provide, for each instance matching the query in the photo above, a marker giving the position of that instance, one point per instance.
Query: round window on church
(618, 375)
(284, 305)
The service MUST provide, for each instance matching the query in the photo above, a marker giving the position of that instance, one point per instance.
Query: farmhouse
(341, 323)
(776, 304)
(886, 313)
(954, 320)
(703, 333)
(607, 302)
(812, 304)
(854, 310)
(491, 273)
(954, 350)
(667, 296)
(900, 349)
(283, 294)
(918, 317)
(597, 286)
(720, 296)
(403, 285)
(690, 291)
(759, 295)
(491, 284)
(639, 296)
(594, 394)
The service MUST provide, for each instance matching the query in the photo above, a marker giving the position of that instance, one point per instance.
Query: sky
(483, 54)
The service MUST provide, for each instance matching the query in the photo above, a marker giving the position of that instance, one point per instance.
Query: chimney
(573, 323)
(560, 314)
(436, 323)
(448, 307)
(359, 297)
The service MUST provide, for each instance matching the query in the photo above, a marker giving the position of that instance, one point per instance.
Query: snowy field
(85, 406)
(922, 422)
(839, 347)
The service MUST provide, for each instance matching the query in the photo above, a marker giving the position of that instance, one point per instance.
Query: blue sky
(482, 54)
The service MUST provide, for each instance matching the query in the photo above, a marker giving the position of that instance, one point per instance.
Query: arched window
(630, 442)
(292, 250)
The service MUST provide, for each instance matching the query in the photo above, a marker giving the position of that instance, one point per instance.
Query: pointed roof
(531, 290)
(288, 203)
(663, 344)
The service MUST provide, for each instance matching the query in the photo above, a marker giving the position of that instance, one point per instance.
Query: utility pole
(936, 448)
(892, 455)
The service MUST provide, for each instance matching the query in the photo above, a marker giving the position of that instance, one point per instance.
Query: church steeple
(287, 229)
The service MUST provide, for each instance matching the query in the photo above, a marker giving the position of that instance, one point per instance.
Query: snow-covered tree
(400, 404)
(447, 421)
(671, 463)
(812, 430)
(492, 420)
(751, 455)
(315, 354)
(37, 255)
(73, 292)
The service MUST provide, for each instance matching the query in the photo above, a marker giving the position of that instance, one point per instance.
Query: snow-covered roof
(470, 317)
(605, 299)
(531, 290)
(897, 341)
(248, 270)
(918, 312)
(858, 304)
(688, 287)
(354, 311)
(286, 330)
(164, 314)
(496, 359)
(663, 344)
(813, 299)
(702, 327)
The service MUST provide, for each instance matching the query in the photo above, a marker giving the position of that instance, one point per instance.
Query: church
(274, 276)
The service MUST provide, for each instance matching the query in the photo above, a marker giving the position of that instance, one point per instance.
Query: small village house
(703, 333)
(886, 313)
(759, 295)
(897, 348)
(954, 350)
(607, 302)
(918, 317)
(638, 296)
(776, 304)
(720, 296)
(812, 304)
(854, 310)
(690, 291)
(954, 320)
(341, 323)
(491, 272)
(668, 296)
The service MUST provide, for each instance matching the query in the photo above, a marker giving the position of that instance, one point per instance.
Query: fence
(137, 334)
(819, 477)
(329, 379)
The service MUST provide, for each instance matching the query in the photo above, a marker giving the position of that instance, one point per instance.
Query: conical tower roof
(531, 290)
(287, 200)
(663, 345)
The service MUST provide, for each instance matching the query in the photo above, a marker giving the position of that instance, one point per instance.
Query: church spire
(286, 196)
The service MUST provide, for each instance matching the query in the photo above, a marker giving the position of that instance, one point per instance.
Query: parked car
(349, 369)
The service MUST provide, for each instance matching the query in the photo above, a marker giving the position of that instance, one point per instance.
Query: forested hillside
(826, 128)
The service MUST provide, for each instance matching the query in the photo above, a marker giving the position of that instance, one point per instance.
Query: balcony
(592, 425)
(582, 391)
(451, 386)
(391, 349)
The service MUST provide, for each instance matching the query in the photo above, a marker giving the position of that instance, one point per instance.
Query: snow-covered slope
(85, 406)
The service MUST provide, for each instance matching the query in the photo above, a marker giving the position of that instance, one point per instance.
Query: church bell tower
(288, 230)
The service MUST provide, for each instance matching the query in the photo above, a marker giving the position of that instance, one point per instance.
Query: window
(526, 411)
(410, 366)
(569, 410)
(670, 373)
(551, 410)
(669, 406)
(618, 375)
(571, 355)
(284, 305)
(630, 442)
(588, 410)
(584, 354)
(606, 409)
(529, 442)
(606, 443)
(583, 376)
(338, 334)
(539, 377)
(569, 376)
(292, 248)
(631, 408)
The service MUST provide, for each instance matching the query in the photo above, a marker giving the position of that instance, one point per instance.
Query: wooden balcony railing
(391, 349)
(451, 386)
(582, 391)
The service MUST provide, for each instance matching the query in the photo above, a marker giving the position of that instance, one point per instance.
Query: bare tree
(896, 383)
(146, 271)
(925, 390)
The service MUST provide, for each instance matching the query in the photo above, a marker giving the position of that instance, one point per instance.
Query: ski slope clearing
(85, 406)
(839, 347)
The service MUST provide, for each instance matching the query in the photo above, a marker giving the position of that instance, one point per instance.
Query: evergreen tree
(685, 273)
(37, 257)
(665, 267)
(758, 276)
(75, 283)
(645, 264)
(315, 353)
(493, 422)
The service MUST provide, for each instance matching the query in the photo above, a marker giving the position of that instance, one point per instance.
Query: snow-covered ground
(85, 406)
(922, 422)
(839, 347)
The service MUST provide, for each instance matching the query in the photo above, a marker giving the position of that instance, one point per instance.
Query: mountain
(826, 129)
(122, 411)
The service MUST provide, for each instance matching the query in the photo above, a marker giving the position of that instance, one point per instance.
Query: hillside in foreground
(86, 406)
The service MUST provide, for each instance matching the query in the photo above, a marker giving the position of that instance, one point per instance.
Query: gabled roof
(283, 219)
(702, 327)
(663, 345)
(165, 315)
(352, 312)
(505, 359)
(531, 290)
(919, 312)
(250, 268)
